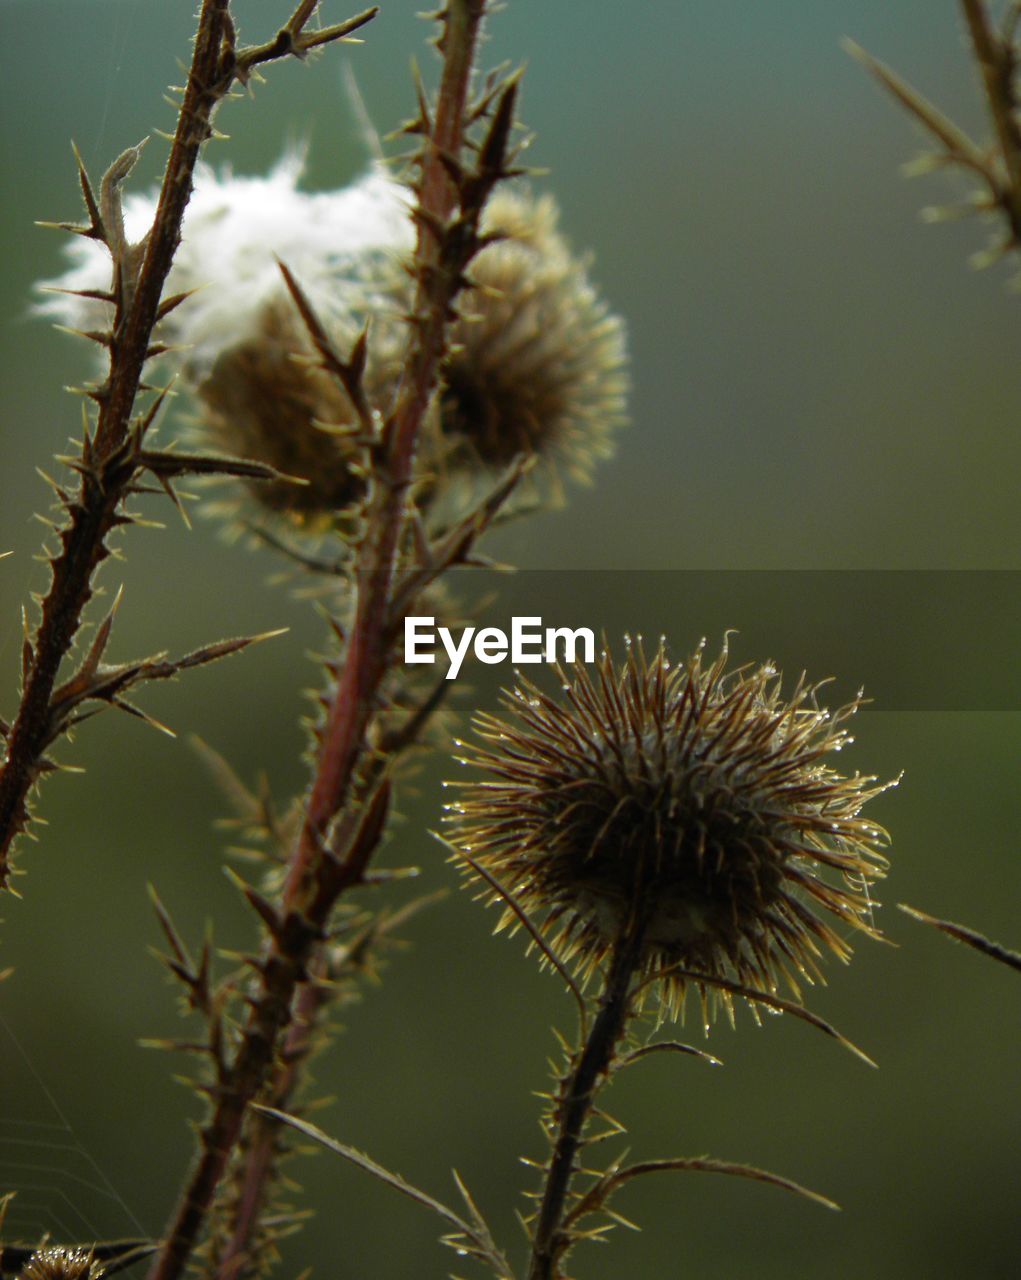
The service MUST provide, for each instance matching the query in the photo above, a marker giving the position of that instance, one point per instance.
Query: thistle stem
(263, 1135)
(315, 881)
(577, 1094)
(104, 484)
(369, 650)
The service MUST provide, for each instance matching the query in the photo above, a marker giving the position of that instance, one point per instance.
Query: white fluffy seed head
(337, 243)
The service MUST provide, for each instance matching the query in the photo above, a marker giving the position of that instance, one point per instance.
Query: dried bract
(685, 802)
(266, 399)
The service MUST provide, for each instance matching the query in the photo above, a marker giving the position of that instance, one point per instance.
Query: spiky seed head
(697, 800)
(237, 339)
(59, 1263)
(538, 363)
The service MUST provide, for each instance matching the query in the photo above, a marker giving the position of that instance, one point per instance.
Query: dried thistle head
(236, 231)
(261, 400)
(696, 801)
(59, 1263)
(236, 338)
(267, 399)
(538, 361)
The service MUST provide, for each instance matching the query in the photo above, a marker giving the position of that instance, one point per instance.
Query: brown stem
(996, 63)
(251, 1068)
(577, 1095)
(263, 1136)
(105, 483)
(315, 881)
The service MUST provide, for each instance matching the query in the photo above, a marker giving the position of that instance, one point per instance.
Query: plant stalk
(315, 882)
(576, 1099)
(996, 64)
(104, 485)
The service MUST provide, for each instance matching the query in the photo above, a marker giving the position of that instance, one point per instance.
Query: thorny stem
(996, 63)
(262, 1141)
(108, 463)
(368, 652)
(202, 93)
(263, 1138)
(103, 487)
(576, 1096)
(315, 882)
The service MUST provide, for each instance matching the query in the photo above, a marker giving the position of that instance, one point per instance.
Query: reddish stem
(315, 883)
(368, 652)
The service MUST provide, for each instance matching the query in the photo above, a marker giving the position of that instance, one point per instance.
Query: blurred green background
(820, 384)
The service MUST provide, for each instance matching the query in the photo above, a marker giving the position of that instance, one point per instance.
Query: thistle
(236, 228)
(266, 399)
(538, 365)
(662, 826)
(690, 806)
(63, 1264)
(238, 341)
(666, 826)
(73, 1262)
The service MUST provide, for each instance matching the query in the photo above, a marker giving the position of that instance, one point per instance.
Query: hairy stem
(576, 1099)
(262, 1137)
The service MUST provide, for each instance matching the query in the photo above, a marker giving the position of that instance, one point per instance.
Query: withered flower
(687, 805)
(266, 399)
(237, 339)
(261, 400)
(539, 362)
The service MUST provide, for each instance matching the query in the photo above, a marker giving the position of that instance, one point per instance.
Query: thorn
(270, 916)
(91, 204)
(90, 665)
(100, 336)
(144, 716)
(175, 300)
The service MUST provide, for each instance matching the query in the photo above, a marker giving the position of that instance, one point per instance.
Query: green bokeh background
(820, 384)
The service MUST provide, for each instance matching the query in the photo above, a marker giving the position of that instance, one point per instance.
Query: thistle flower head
(58, 1263)
(696, 802)
(538, 360)
(238, 340)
